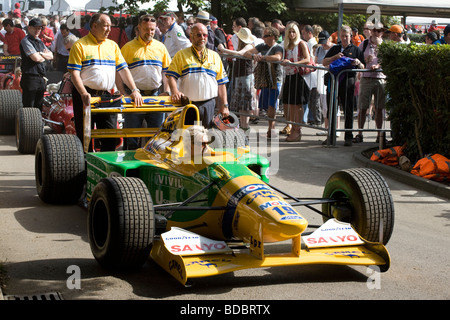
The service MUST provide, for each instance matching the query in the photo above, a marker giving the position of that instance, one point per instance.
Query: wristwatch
(135, 89)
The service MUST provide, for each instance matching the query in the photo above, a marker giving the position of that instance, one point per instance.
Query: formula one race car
(10, 92)
(57, 114)
(200, 211)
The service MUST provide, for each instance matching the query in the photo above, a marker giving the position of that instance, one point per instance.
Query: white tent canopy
(95, 5)
(418, 8)
(68, 6)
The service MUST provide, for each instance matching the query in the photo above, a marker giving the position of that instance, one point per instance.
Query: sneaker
(358, 138)
(322, 133)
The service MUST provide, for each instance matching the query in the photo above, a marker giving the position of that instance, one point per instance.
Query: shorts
(369, 87)
(269, 97)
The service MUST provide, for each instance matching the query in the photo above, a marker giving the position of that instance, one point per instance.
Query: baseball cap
(168, 14)
(396, 28)
(35, 22)
(323, 37)
(213, 19)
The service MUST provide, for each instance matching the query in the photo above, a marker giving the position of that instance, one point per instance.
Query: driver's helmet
(229, 122)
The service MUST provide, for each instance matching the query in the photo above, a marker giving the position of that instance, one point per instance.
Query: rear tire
(59, 168)
(364, 200)
(121, 224)
(10, 102)
(29, 129)
(228, 139)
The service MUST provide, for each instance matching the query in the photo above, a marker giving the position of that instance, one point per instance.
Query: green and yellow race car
(199, 202)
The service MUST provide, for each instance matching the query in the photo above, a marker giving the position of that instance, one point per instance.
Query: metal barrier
(331, 137)
(332, 101)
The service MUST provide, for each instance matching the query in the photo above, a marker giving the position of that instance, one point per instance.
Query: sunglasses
(147, 19)
(267, 35)
(377, 30)
(199, 35)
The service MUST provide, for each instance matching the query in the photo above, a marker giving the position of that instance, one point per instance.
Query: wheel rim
(39, 169)
(17, 131)
(342, 209)
(100, 223)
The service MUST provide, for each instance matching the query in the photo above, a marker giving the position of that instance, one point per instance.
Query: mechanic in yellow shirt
(197, 73)
(147, 59)
(93, 63)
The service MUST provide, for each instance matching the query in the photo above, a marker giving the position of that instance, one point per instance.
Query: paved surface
(39, 242)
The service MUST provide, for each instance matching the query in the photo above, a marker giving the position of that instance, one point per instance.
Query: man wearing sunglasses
(371, 83)
(147, 59)
(197, 73)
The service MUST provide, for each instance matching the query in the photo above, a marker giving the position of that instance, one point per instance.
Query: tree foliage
(419, 97)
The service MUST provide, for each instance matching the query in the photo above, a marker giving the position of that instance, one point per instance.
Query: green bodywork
(169, 185)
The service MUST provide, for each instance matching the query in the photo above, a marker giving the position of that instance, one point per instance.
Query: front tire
(364, 200)
(121, 224)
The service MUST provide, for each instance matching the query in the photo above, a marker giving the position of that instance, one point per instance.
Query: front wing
(184, 267)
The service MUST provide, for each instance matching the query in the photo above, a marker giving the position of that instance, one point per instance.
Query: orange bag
(388, 156)
(435, 167)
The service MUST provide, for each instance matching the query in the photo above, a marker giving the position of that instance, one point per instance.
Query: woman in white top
(295, 90)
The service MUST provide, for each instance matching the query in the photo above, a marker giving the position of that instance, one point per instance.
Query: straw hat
(245, 35)
(203, 15)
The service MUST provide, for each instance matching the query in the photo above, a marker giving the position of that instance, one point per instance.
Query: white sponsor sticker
(182, 242)
(332, 233)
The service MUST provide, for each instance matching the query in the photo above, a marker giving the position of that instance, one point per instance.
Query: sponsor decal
(331, 234)
(181, 242)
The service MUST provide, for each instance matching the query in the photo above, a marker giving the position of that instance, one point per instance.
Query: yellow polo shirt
(97, 62)
(199, 82)
(146, 62)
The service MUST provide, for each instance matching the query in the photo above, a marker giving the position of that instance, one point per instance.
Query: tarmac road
(43, 246)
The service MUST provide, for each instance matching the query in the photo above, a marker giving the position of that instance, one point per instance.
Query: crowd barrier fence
(333, 106)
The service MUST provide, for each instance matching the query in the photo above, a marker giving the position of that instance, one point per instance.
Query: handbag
(341, 64)
(261, 75)
(304, 70)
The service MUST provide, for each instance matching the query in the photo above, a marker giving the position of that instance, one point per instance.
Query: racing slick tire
(60, 168)
(29, 129)
(228, 139)
(364, 200)
(10, 102)
(121, 223)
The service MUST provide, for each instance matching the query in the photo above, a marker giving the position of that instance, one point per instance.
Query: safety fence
(330, 98)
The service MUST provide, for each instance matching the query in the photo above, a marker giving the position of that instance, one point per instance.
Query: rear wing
(124, 105)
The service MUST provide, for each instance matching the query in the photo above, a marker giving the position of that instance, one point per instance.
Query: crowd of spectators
(303, 97)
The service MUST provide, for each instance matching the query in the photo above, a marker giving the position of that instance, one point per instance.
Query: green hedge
(418, 87)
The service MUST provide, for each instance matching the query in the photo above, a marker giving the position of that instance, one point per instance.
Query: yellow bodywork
(260, 216)
(183, 268)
